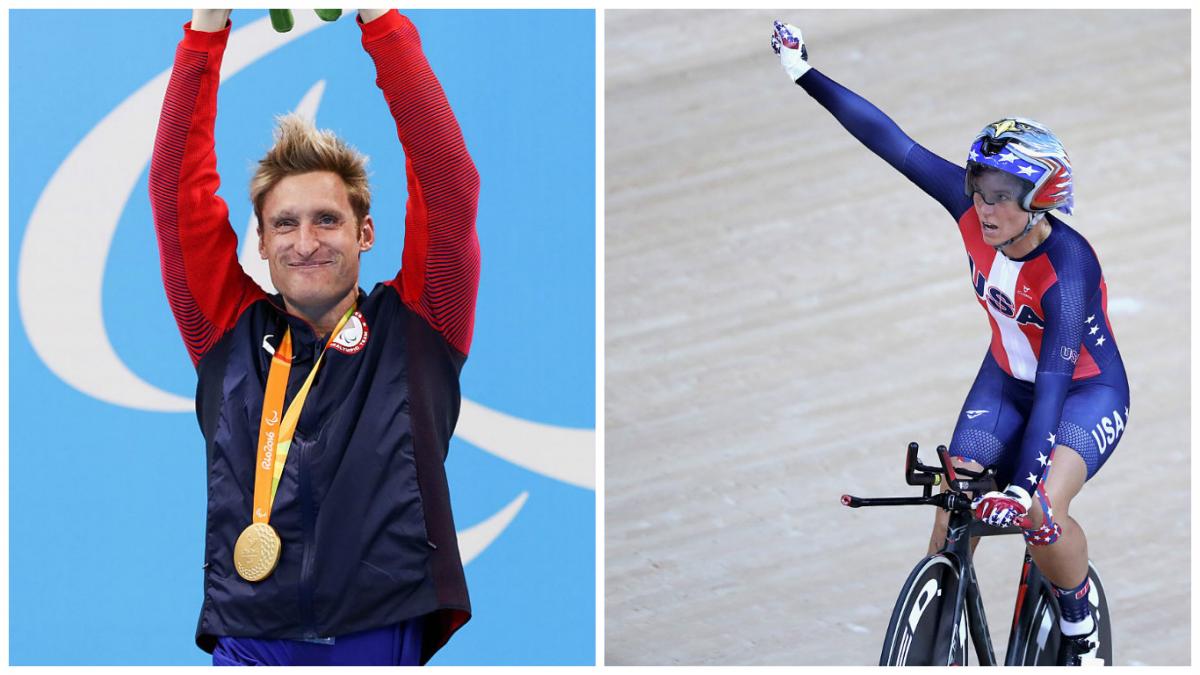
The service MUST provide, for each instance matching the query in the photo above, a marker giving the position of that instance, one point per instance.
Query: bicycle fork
(969, 600)
(977, 621)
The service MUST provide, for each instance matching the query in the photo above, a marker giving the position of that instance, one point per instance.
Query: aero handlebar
(958, 480)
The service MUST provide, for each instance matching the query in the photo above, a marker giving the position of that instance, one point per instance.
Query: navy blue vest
(363, 508)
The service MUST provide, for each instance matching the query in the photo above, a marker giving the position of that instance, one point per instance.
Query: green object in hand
(283, 21)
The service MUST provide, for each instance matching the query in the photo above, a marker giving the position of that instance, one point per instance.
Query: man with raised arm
(326, 411)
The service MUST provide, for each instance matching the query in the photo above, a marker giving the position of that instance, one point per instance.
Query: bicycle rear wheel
(1036, 637)
(928, 627)
(1103, 635)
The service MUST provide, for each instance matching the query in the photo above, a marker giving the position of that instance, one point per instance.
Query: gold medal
(256, 552)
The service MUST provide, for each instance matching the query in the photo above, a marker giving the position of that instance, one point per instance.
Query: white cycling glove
(788, 43)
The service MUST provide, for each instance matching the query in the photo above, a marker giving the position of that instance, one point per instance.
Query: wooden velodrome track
(784, 312)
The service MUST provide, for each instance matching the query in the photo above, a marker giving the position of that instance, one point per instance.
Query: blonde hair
(301, 148)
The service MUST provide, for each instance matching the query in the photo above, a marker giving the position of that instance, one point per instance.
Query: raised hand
(369, 15)
(283, 21)
(788, 43)
(210, 20)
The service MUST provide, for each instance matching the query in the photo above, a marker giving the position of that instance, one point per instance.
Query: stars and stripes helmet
(1030, 152)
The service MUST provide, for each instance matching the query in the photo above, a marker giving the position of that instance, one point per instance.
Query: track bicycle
(940, 607)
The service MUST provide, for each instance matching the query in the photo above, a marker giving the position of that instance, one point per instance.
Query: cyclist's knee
(1052, 498)
(1063, 481)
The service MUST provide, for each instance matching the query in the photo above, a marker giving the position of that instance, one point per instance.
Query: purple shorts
(398, 645)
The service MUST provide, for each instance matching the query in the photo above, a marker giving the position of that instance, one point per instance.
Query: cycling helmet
(1032, 153)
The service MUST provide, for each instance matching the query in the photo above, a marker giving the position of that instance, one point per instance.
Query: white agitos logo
(63, 260)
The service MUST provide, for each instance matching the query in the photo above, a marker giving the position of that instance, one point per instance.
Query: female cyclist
(1051, 401)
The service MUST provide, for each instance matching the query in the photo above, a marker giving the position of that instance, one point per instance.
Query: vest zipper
(307, 618)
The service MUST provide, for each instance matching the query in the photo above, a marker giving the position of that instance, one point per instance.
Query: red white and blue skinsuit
(1052, 375)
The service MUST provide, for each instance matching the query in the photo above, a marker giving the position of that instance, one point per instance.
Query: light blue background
(100, 576)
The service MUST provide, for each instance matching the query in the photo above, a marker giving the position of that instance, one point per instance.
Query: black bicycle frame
(959, 533)
(960, 530)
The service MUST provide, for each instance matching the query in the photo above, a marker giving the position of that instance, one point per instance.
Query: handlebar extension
(915, 473)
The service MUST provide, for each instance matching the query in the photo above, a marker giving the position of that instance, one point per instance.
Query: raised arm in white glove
(788, 43)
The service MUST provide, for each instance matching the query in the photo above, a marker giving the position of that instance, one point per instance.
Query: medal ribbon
(275, 434)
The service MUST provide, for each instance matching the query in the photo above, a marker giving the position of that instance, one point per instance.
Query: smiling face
(311, 241)
(997, 196)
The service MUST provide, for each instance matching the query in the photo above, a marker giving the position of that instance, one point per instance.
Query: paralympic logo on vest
(94, 184)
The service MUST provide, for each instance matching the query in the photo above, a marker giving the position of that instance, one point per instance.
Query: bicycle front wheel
(928, 627)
